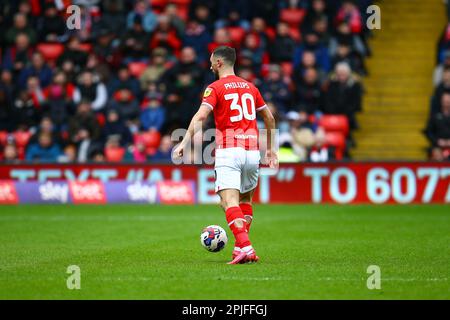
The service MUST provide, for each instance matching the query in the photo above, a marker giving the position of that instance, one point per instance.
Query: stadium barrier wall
(375, 182)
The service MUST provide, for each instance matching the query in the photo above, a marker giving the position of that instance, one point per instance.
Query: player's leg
(229, 200)
(245, 203)
(228, 182)
(249, 181)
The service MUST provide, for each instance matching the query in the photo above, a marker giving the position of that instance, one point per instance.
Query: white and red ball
(213, 238)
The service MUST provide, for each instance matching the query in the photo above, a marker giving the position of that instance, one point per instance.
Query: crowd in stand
(135, 70)
(438, 126)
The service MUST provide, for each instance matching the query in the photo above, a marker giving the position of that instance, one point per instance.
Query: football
(213, 238)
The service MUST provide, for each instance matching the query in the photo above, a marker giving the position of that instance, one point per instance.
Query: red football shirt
(234, 102)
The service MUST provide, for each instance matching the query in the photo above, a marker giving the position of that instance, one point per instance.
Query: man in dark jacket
(344, 94)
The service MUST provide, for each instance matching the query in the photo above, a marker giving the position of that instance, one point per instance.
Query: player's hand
(178, 152)
(272, 159)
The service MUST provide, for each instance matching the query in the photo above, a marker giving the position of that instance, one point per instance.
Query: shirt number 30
(245, 111)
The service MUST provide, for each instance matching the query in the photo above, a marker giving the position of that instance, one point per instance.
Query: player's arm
(269, 122)
(195, 125)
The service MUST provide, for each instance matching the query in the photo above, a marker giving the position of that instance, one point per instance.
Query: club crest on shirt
(207, 92)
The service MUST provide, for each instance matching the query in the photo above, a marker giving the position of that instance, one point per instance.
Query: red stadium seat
(151, 140)
(3, 137)
(180, 2)
(137, 68)
(86, 47)
(50, 51)
(237, 34)
(293, 17)
(335, 123)
(337, 140)
(21, 138)
(159, 4)
(114, 154)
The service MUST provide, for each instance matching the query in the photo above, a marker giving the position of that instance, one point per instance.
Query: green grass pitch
(154, 252)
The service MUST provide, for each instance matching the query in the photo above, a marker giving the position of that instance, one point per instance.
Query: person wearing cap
(155, 69)
(153, 115)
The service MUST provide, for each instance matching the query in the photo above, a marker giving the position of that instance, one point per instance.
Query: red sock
(247, 210)
(240, 234)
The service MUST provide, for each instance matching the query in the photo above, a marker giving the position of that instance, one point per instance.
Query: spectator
(148, 17)
(73, 53)
(439, 70)
(8, 120)
(234, 13)
(221, 38)
(126, 105)
(58, 101)
(45, 150)
(308, 92)
(87, 146)
(438, 129)
(90, 91)
(308, 61)
(7, 84)
(156, 69)
(26, 109)
(320, 152)
(46, 126)
(344, 94)
(275, 90)
(311, 42)
(302, 133)
(164, 153)
(20, 26)
(344, 53)
(443, 87)
(69, 154)
(153, 114)
(344, 35)
(318, 11)
(256, 52)
(10, 154)
(115, 127)
(38, 68)
(181, 101)
(124, 81)
(202, 13)
(135, 42)
(186, 65)
(113, 17)
(105, 49)
(268, 10)
(282, 49)
(259, 28)
(16, 57)
(165, 35)
(198, 37)
(51, 26)
(136, 152)
(84, 119)
(171, 10)
(349, 14)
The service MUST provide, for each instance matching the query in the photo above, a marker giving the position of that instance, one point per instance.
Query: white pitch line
(99, 218)
(387, 279)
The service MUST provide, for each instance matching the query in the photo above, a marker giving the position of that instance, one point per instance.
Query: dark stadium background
(86, 117)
